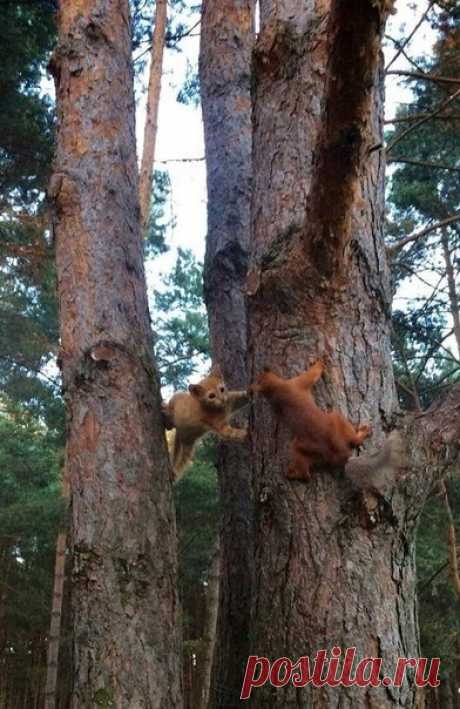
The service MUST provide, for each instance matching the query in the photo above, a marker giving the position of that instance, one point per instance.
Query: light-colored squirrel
(379, 471)
(207, 407)
(319, 436)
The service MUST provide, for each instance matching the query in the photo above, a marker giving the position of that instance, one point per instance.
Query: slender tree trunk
(210, 626)
(227, 37)
(124, 601)
(153, 102)
(55, 625)
(333, 567)
(452, 288)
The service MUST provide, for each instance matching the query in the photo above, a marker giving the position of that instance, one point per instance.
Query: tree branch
(409, 37)
(417, 75)
(180, 160)
(405, 55)
(413, 127)
(417, 116)
(394, 248)
(424, 163)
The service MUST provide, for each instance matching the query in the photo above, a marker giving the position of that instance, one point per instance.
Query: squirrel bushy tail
(378, 471)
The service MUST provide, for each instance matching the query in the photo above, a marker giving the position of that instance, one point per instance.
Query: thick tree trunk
(126, 631)
(153, 103)
(227, 37)
(333, 566)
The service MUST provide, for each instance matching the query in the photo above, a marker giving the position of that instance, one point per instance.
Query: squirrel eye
(222, 389)
(212, 396)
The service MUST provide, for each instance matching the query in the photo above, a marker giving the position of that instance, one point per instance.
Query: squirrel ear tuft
(196, 390)
(267, 369)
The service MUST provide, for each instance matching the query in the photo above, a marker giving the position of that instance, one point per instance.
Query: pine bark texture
(153, 104)
(333, 566)
(124, 603)
(227, 37)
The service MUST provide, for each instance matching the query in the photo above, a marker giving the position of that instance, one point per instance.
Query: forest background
(422, 210)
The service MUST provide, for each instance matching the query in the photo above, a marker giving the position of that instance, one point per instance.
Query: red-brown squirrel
(206, 407)
(319, 436)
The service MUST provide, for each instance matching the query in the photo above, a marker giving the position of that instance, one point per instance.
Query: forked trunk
(333, 566)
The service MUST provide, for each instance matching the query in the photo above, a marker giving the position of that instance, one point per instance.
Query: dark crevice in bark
(353, 36)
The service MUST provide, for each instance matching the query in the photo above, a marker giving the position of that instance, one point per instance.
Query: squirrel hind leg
(182, 455)
(299, 468)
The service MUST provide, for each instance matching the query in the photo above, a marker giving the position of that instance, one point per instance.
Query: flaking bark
(124, 603)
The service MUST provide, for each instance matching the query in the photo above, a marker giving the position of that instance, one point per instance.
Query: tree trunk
(452, 287)
(124, 602)
(333, 566)
(153, 103)
(227, 37)
(210, 626)
(55, 625)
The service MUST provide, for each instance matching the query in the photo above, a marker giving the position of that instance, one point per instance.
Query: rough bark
(126, 634)
(210, 626)
(227, 36)
(333, 566)
(153, 103)
(55, 624)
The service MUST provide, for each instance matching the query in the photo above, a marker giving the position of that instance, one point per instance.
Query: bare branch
(409, 37)
(424, 163)
(417, 116)
(182, 160)
(177, 39)
(404, 53)
(433, 576)
(417, 75)
(413, 127)
(394, 248)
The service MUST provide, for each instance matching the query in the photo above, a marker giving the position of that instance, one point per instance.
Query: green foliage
(26, 117)
(420, 195)
(158, 222)
(439, 604)
(182, 344)
(31, 511)
(197, 517)
(189, 94)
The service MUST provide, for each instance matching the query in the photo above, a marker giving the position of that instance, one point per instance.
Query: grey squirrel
(378, 471)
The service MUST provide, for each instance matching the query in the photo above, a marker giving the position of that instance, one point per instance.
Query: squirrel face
(211, 392)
